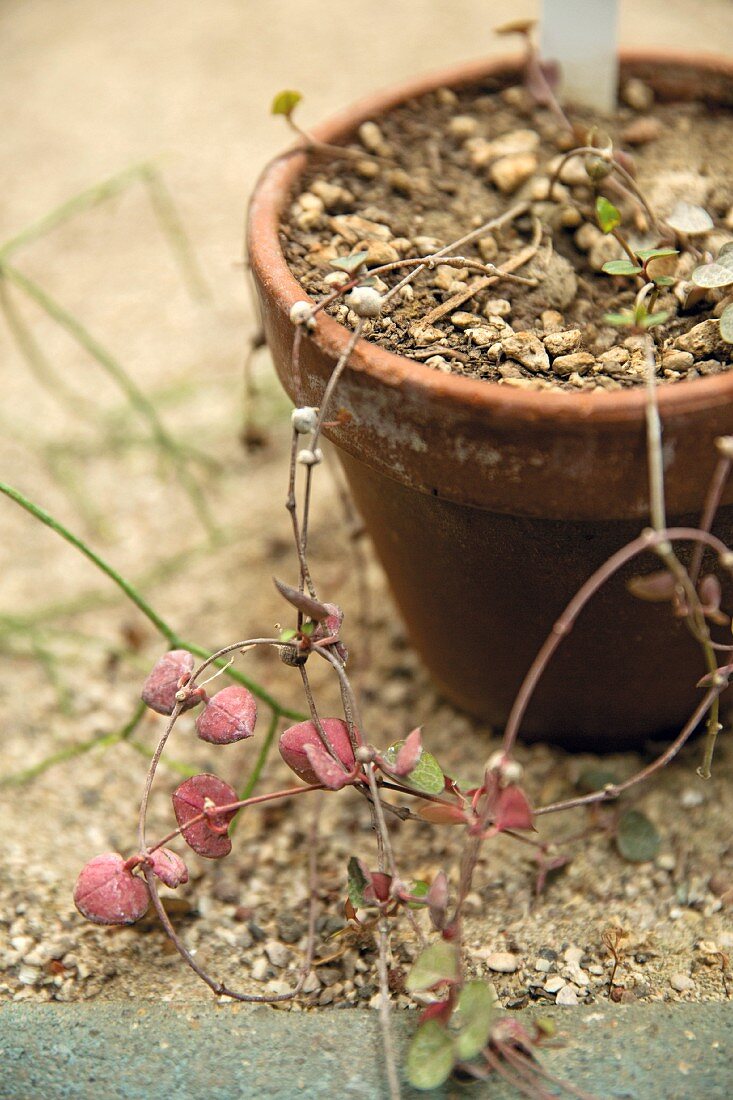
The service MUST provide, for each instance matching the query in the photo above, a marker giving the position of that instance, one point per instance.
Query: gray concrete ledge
(170, 1052)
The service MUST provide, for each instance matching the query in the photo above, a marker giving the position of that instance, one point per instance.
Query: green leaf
(726, 324)
(652, 253)
(427, 775)
(607, 214)
(437, 963)
(287, 635)
(690, 219)
(430, 1057)
(622, 320)
(350, 264)
(636, 839)
(663, 280)
(718, 273)
(475, 1009)
(653, 319)
(620, 267)
(307, 628)
(595, 779)
(285, 103)
(419, 890)
(547, 1026)
(358, 881)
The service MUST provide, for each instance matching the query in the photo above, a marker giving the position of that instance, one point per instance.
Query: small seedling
(644, 262)
(285, 103)
(612, 940)
(644, 266)
(638, 319)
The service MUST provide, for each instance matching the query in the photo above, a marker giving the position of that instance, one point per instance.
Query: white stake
(582, 36)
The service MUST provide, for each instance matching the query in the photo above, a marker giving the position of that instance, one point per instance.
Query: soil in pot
(435, 168)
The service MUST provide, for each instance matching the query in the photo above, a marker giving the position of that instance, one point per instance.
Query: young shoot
(652, 264)
(638, 319)
(284, 104)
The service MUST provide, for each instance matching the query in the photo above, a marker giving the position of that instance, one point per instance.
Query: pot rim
(274, 188)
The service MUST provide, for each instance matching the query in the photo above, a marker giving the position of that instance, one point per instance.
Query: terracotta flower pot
(489, 506)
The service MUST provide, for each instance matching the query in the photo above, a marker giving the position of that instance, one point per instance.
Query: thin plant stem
(177, 766)
(80, 203)
(423, 263)
(648, 540)
(381, 822)
(151, 776)
(254, 776)
(232, 807)
(16, 779)
(590, 150)
(613, 790)
(41, 368)
(315, 717)
(173, 229)
(390, 1059)
(354, 532)
(353, 708)
(132, 594)
(161, 626)
(119, 375)
(217, 987)
(164, 209)
(328, 394)
(712, 502)
(291, 505)
(655, 461)
(534, 1091)
(666, 553)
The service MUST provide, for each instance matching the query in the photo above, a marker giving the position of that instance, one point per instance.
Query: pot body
(489, 507)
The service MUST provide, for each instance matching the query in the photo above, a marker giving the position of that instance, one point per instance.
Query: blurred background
(122, 406)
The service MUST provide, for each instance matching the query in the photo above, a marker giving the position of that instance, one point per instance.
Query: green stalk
(86, 200)
(164, 209)
(72, 751)
(119, 375)
(161, 626)
(39, 365)
(666, 553)
(172, 228)
(254, 778)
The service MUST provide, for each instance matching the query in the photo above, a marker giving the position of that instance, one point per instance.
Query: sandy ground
(91, 89)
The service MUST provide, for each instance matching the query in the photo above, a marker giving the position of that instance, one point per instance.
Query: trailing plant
(460, 1030)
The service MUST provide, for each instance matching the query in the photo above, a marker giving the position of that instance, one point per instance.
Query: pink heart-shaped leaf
(208, 837)
(513, 810)
(440, 813)
(655, 587)
(106, 892)
(328, 771)
(437, 899)
(293, 741)
(166, 677)
(229, 716)
(379, 886)
(409, 754)
(168, 867)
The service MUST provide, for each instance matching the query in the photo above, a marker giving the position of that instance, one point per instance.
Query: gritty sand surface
(91, 89)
